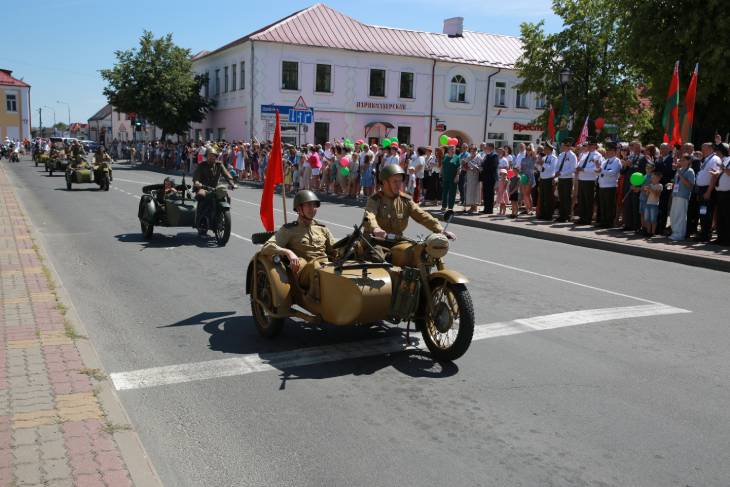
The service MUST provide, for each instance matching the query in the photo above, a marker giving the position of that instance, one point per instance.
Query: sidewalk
(60, 422)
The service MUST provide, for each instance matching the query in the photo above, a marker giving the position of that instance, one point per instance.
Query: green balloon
(386, 142)
(444, 140)
(524, 179)
(393, 139)
(364, 147)
(345, 171)
(637, 179)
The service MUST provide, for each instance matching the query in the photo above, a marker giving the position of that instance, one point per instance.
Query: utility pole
(40, 119)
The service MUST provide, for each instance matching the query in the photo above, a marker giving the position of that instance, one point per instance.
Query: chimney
(454, 27)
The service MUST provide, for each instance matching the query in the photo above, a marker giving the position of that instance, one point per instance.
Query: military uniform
(392, 214)
(311, 243)
(209, 174)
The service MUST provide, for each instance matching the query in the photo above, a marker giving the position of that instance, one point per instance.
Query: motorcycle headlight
(437, 245)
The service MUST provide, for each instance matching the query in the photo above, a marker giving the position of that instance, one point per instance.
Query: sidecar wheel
(68, 183)
(147, 229)
(267, 326)
(449, 333)
(222, 228)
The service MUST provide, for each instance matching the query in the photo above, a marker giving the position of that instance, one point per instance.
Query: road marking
(252, 363)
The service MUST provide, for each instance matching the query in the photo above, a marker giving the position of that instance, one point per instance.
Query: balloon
(524, 179)
(394, 139)
(510, 173)
(364, 147)
(599, 123)
(637, 179)
(453, 141)
(345, 171)
(344, 162)
(444, 140)
(360, 142)
(394, 144)
(386, 142)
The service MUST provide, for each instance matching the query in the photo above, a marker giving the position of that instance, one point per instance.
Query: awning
(369, 126)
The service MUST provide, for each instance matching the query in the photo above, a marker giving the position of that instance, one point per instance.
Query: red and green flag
(689, 106)
(670, 119)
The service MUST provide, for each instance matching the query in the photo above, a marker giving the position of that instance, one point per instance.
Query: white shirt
(709, 163)
(549, 167)
(415, 163)
(609, 173)
(504, 163)
(723, 184)
(591, 165)
(568, 161)
(392, 160)
(518, 160)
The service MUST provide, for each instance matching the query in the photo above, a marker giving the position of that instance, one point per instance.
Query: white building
(367, 82)
(108, 124)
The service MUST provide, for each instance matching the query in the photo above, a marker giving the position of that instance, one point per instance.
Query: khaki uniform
(392, 214)
(100, 157)
(210, 174)
(311, 243)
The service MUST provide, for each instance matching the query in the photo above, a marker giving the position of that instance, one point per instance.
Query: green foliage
(156, 81)
(601, 85)
(656, 33)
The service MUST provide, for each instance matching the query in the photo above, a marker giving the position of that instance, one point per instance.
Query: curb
(139, 466)
(619, 247)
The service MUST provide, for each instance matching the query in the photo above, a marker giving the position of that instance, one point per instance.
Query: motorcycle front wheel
(147, 229)
(267, 326)
(449, 331)
(222, 228)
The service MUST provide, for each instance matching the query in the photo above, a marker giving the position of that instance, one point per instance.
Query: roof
(6, 79)
(472, 48)
(103, 113)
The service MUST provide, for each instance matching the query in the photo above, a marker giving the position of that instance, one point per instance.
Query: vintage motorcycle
(57, 161)
(394, 279)
(155, 209)
(101, 174)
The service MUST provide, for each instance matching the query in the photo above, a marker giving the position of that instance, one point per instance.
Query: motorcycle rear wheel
(448, 334)
(267, 326)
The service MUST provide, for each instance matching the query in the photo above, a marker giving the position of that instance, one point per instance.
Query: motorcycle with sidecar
(394, 279)
(157, 209)
(100, 174)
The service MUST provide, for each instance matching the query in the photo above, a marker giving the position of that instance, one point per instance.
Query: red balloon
(394, 144)
(344, 162)
(599, 122)
(510, 173)
(453, 141)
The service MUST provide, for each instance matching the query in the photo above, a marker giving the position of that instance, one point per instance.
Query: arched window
(458, 89)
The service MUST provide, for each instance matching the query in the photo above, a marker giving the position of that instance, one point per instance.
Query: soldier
(77, 154)
(208, 174)
(388, 210)
(101, 156)
(305, 241)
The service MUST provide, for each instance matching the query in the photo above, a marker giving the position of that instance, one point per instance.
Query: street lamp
(565, 79)
(69, 114)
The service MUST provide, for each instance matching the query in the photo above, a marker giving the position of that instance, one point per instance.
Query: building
(108, 124)
(366, 82)
(15, 109)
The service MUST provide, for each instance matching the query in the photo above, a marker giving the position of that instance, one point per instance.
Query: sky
(62, 44)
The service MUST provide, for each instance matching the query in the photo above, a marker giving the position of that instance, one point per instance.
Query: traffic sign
(301, 116)
(300, 104)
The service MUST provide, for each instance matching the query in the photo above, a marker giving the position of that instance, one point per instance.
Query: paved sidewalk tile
(51, 423)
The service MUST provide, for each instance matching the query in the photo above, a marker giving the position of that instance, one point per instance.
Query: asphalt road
(617, 399)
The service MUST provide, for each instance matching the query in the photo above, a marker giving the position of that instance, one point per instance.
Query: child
(514, 193)
(644, 194)
(288, 176)
(502, 194)
(654, 191)
(411, 186)
(367, 177)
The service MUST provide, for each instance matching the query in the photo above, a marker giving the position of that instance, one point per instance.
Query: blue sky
(63, 43)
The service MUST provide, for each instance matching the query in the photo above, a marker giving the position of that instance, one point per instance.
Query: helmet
(305, 196)
(211, 150)
(172, 180)
(437, 245)
(391, 170)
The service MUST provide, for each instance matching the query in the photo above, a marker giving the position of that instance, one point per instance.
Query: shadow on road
(236, 334)
(167, 241)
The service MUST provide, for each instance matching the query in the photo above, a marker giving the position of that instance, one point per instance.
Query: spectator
(684, 181)
(653, 194)
(722, 192)
(705, 183)
(450, 176)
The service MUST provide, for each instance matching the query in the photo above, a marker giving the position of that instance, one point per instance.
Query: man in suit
(488, 176)
(664, 165)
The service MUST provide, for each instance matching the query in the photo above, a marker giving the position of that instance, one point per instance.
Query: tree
(601, 84)
(60, 126)
(655, 34)
(156, 82)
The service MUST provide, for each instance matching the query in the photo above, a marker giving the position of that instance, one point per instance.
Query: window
(119, 116)
(495, 135)
(243, 74)
(540, 102)
(208, 134)
(323, 78)
(233, 78)
(197, 134)
(404, 135)
(458, 89)
(206, 86)
(406, 85)
(225, 79)
(521, 99)
(289, 75)
(520, 139)
(221, 134)
(217, 82)
(500, 94)
(321, 132)
(377, 82)
(11, 103)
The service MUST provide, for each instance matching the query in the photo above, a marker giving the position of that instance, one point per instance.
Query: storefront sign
(441, 127)
(527, 127)
(380, 106)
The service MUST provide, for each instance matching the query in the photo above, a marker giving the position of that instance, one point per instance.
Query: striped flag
(583, 137)
(689, 106)
(670, 119)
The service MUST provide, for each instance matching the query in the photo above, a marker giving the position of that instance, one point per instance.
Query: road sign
(300, 104)
(301, 116)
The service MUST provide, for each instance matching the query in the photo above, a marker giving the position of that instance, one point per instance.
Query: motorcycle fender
(281, 292)
(224, 205)
(450, 276)
(147, 209)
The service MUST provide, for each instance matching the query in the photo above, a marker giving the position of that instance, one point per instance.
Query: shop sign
(527, 127)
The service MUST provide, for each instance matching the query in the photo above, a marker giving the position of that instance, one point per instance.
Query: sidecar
(99, 174)
(56, 163)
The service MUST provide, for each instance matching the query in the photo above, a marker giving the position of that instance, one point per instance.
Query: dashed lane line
(252, 363)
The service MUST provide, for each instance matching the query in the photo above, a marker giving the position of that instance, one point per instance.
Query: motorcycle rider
(389, 209)
(304, 242)
(77, 154)
(208, 173)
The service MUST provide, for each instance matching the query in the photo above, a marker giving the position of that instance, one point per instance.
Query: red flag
(689, 106)
(274, 176)
(583, 133)
(551, 124)
(670, 119)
